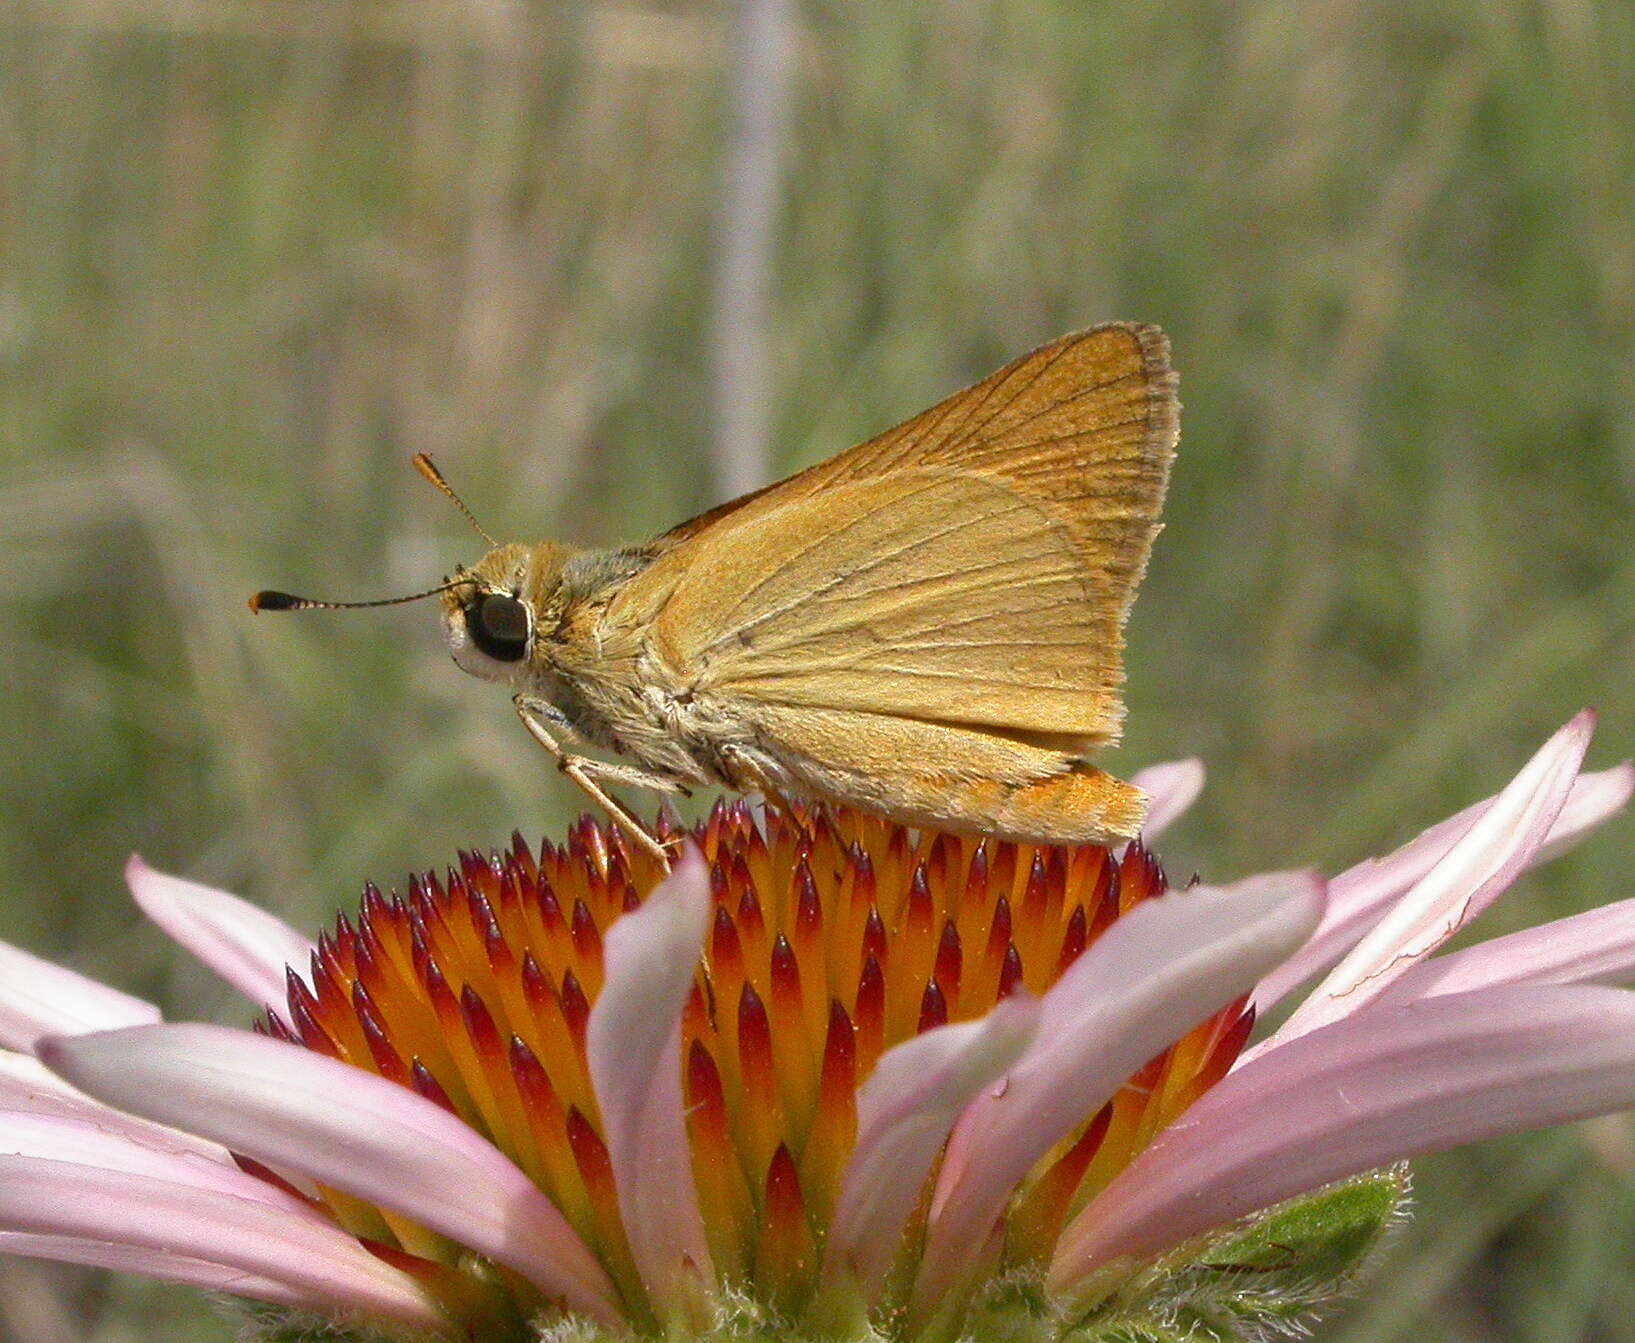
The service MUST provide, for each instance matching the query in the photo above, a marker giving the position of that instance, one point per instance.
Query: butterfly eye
(498, 625)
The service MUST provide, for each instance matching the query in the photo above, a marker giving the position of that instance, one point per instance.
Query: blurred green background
(256, 254)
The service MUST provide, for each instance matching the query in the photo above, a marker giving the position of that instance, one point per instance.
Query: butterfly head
(493, 611)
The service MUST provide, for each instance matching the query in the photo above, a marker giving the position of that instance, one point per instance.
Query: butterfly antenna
(268, 600)
(423, 464)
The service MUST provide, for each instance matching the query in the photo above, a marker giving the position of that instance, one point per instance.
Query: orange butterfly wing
(973, 565)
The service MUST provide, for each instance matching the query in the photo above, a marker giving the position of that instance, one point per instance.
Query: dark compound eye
(498, 625)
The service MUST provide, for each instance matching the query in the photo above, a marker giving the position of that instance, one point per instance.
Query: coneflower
(828, 1078)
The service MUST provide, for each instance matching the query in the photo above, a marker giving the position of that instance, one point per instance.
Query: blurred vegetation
(256, 254)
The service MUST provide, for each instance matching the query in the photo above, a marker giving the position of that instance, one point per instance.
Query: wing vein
(965, 431)
(1006, 445)
(827, 538)
(733, 631)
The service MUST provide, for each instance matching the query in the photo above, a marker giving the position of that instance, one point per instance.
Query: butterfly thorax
(592, 658)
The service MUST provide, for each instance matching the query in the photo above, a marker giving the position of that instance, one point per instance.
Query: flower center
(835, 936)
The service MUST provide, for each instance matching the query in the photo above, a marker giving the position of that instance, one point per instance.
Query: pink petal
(43, 1197)
(1171, 788)
(82, 1149)
(83, 1141)
(296, 1110)
(171, 1268)
(904, 1112)
(1151, 977)
(633, 1050)
(1595, 798)
(163, 1267)
(1597, 946)
(246, 946)
(1371, 1089)
(38, 998)
(1358, 897)
(1469, 877)
(27, 1086)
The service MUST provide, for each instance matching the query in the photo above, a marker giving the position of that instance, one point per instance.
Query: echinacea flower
(828, 1078)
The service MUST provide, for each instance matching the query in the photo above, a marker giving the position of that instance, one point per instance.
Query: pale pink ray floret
(634, 1027)
(186, 1152)
(1379, 1064)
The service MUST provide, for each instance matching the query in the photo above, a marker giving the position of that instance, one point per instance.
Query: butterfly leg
(539, 716)
(747, 776)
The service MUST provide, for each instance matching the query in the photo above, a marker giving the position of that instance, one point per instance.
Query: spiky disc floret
(834, 937)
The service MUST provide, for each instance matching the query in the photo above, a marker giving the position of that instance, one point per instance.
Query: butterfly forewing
(924, 594)
(1086, 424)
(972, 567)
